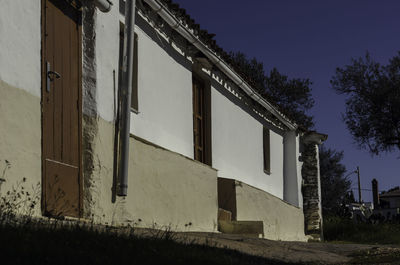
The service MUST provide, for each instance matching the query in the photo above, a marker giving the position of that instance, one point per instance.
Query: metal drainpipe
(126, 91)
(104, 5)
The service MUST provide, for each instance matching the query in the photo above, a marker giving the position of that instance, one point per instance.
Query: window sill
(134, 111)
(267, 172)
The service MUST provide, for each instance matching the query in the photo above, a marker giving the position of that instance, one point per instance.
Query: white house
(204, 148)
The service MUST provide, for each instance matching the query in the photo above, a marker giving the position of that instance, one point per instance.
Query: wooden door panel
(62, 196)
(198, 121)
(202, 121)
(61, 108)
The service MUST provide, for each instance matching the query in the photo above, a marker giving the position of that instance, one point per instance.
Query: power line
(365, 189)
(361, 189)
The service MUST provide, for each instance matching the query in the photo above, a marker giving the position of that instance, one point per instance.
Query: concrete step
(248, 228)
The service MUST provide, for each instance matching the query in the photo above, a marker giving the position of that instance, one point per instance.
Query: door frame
(207, 115)
(43, 90)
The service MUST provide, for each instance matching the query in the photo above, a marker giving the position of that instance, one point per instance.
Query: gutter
(103, 5)
(223, 66)
(126, 91)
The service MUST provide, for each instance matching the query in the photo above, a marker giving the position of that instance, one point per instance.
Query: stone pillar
(311, 187)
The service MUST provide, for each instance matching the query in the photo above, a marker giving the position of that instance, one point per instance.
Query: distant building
(391, 198)
(386, 203)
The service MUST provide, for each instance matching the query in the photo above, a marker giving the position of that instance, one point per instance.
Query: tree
(335, 186)
(373, 102)
(292, 95)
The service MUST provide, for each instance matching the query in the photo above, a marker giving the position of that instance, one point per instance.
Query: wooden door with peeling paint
(61, 108)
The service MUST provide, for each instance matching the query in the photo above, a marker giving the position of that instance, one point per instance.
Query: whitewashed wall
(20, 41)
(292, 170)
(237, 146)
(20, 111)
(107, 55)
(165, 95)
(299, 175)
(165, 110)
(164, 98)
(164, 85)
(164, 117)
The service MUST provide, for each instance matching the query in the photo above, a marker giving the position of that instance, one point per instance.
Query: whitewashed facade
(166, 66)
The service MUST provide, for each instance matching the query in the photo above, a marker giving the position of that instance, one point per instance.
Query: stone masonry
(311, 187)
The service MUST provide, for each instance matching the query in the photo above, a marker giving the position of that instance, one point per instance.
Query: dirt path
(297, 252)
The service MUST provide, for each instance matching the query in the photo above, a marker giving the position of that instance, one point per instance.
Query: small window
(134, 95)
(267, 151)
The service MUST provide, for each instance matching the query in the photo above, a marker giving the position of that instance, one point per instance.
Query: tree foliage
(373, 102)
(335, 186)
(292, 95)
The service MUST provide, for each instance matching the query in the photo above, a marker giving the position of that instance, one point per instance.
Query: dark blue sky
(309, 39)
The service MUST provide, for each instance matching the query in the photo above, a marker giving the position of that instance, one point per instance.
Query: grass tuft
(37, 243)
(344, 230)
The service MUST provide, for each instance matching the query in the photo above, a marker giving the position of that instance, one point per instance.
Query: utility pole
(359, 184)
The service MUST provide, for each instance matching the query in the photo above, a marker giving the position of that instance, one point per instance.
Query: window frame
(266, 150)
(205, 119)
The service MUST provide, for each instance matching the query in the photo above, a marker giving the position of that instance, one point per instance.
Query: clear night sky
(309, 39)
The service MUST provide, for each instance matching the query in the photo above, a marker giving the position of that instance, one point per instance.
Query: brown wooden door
(61, 106)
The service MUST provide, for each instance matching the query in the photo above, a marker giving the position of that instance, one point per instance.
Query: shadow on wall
(163, 43)
(243, 103)
(174, 39)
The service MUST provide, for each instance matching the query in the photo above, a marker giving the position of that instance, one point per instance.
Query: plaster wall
(299, 165)
(168, 189)
(107, 55)
(164, 84)
(237, 146)
(20, 42)
(292, 194)
(99, 201)
(165, 189)
(20, 111)
(164, 94)
(20, 144)
(164, 118)
(165, 109)
(281, 220)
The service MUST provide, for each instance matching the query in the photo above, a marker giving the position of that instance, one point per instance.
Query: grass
(25, 240)
(35, 243)
(376, 256)
(346, 231)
